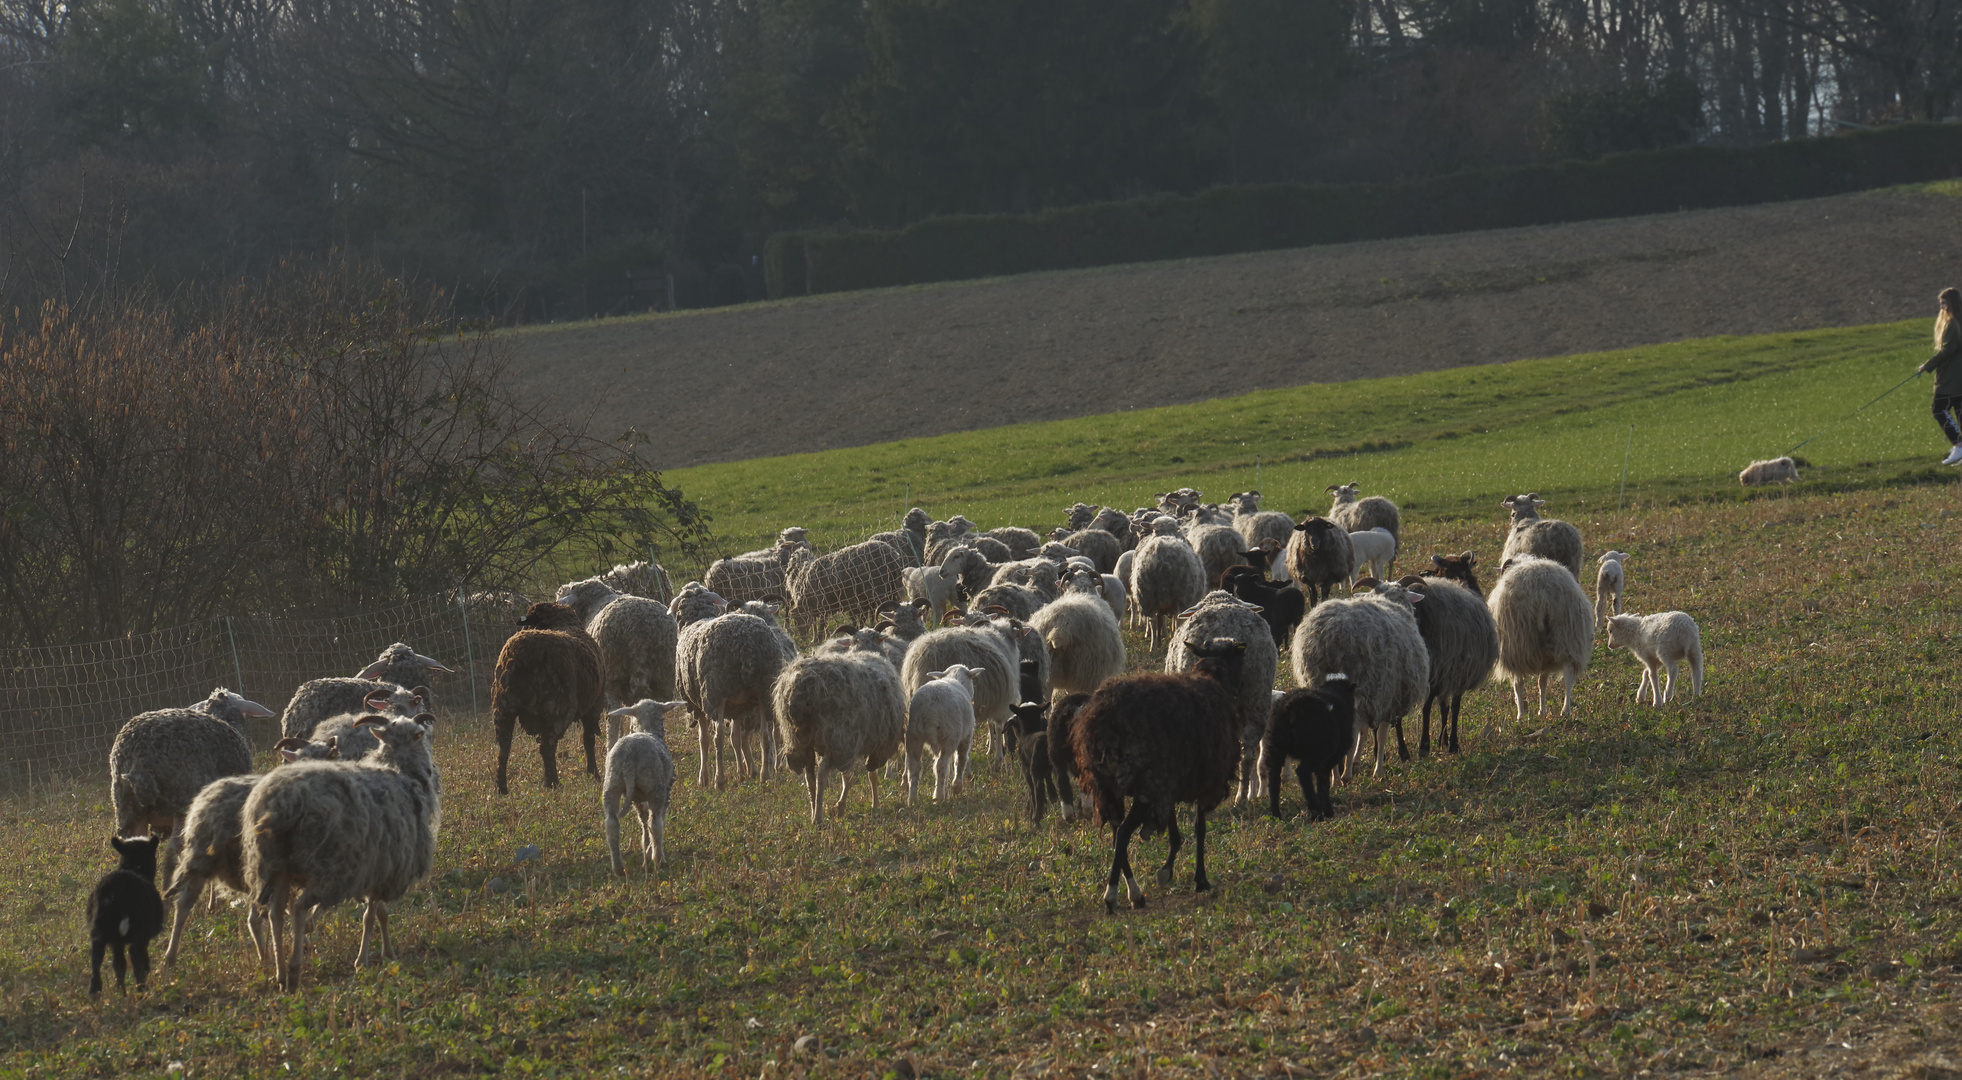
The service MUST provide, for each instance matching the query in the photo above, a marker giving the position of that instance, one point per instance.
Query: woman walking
(1947, 366)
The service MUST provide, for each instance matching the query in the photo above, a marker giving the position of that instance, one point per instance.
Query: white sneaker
(1954, 456)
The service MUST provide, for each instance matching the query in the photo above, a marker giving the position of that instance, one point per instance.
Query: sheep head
(647, 716)
(1524, 507)
(550, 615)
(1623, 630)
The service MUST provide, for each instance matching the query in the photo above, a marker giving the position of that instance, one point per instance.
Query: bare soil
(854, 368)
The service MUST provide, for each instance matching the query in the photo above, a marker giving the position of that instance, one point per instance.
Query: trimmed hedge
(1228, 220)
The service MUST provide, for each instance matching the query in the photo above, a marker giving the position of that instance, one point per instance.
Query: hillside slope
(856, 368)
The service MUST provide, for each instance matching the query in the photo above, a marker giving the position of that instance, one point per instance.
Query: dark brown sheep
(1161, 740)
(1319, 558)
(1062, 749)
(547, 679)
(1459, 568)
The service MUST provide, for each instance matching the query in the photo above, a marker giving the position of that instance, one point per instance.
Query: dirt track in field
(853, 368)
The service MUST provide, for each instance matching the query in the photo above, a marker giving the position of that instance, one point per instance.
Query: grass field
(1442, 444)
(1755, 882)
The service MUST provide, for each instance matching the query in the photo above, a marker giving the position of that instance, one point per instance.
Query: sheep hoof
(1164, 877)
(1110, 900)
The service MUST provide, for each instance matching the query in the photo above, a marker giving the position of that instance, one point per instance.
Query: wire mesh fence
(60, 707)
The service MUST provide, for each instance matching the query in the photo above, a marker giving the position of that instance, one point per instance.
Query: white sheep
(1166, 578)
(1374, 640)
(1375, 548)
(935, 585)
(320, 832)
(1545, 625)
(1086, 642)
(640, 774)
(1782, 470)
(839, 712)
(1608, 583)
(1660, 642)
(940, 718)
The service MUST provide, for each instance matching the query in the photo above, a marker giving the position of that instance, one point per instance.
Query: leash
(1859, 410)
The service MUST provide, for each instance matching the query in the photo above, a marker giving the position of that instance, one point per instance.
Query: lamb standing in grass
(1316, 728)
(1660, 642)
(640, 774)
(1545, 626)
(940, 718)
(1375, 548)
(1608, 582)
(125, 912)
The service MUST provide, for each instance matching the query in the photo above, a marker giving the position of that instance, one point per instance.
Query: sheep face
(1344, 493)
(291, 749)
(1615, 556)
(399, 653)
(1524, 507)
(223, 703)
(1319, 531)
(1623, 630)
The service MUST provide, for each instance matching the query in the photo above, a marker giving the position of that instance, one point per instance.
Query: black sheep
(1028, 737)
(1161, 740)
(1459, 568)
(548, 678)
(125, 911)
(1316, 728)
(1062, 748)
(1282, 607)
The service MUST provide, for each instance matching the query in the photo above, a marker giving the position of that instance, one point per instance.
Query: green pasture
(1443, 444)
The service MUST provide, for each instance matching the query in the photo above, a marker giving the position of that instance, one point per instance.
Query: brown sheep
(1461, 568)
(1161, 740)
(547, 678)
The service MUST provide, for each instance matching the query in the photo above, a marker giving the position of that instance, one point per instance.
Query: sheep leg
(844, 789)
(276, 926)
(504, 726)
(256, 929)
(1378, 738)
(1120, 863)
(1669, 685)
(388, 940)
(298, 907)
(872, 781)
(912, 774)
(1457, 709)
(1543, 694)
(117, 960)
(1174, 840)
(721, 724)
(612, 805)
(589, 734)
(1200, 883)
(367, 933)
(820, 772)
(1273, 765)
(1567, 698)
(1518, 700)
(186, 899)
(139, 962)
(548, 752)
(657, 824)
(1322, 806)
(96, 949)
(1696, 672)
(769, 740)
(1403, 749)
(962, 753)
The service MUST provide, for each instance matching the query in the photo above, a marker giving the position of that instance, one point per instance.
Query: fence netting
(60, 707)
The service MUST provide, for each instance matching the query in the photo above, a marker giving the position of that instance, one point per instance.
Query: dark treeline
(543, 159)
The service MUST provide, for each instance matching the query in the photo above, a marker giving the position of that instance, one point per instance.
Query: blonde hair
(1951, 301)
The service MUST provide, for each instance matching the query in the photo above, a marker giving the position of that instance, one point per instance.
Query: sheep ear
(1470, 559)
(1437, 561)
(1188, 612)
(116, 842)
(937, 674)
(333, 747)
(288, 754)
(372, 721)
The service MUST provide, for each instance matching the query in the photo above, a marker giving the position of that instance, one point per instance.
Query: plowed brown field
(854, 368)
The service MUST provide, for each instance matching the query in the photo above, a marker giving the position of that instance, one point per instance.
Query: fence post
(238, 672)
(469, 657)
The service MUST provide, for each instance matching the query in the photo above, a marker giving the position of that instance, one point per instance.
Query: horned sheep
(1548, 538)
(397, 667)
(1361, 515)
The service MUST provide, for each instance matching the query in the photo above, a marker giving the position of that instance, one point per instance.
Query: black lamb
(125, 911)
(1161, 740)
(1028, 737)
(1316, 728)
(1062, 748)
(1282, 606)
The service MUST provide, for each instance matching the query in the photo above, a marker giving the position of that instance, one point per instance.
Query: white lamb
(1607, 586)
(1375, 548)
(1660, 642)
(640, 774)
(941, 718)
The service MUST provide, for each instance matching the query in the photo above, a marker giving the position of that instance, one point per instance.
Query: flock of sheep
(951, 632)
